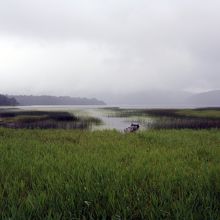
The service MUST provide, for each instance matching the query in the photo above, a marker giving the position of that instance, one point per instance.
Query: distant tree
(4, 100)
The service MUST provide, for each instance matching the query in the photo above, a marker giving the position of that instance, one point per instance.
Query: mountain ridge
(157, 98)
(55, 100)
(166, 98)
(206, 99)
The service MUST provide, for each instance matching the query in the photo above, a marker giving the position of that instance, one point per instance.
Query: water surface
(108, 120)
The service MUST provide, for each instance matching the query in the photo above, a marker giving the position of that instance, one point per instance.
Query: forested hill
(6, 101)
(210, 98)
(53, 100)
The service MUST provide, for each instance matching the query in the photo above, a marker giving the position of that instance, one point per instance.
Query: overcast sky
(93, 47)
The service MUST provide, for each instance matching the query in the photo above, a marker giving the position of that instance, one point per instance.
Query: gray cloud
(93, 47)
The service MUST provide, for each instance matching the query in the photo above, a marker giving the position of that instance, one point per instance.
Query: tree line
(6, 101)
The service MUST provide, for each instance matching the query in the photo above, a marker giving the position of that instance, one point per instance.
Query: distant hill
(205, 99)
(150, 98)
(53, 100)
(6, 101)
(166, 98)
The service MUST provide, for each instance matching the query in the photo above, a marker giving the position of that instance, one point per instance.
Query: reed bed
(205, 118)
(45, 120)
(71, 174)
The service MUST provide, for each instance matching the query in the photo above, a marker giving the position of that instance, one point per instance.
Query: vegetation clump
(44, 120)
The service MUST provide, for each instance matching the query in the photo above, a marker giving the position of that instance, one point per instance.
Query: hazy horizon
(104, 48)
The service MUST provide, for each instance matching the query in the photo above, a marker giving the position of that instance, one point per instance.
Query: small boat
(134, 127)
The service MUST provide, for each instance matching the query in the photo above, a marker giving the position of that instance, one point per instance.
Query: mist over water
(108, 121)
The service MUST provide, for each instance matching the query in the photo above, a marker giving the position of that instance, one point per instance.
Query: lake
(110, 117)
(109, 121)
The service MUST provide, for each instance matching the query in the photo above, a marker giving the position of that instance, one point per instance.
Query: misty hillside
(149, 98)
(160, 98)
(6, 101)
(206, 99)
(53, 100)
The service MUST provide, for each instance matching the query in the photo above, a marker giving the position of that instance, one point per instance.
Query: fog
(108, 48)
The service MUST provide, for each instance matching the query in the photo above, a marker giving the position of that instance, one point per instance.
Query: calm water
(109, 122)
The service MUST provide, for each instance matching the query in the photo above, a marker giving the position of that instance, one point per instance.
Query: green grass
(211, 113)
(201, 113)
(66, 174)
(121, 112)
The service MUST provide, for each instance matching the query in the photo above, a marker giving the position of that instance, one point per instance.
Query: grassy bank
(79, 174)
(211, 113)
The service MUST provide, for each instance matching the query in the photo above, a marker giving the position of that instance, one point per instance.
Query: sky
(92, 48)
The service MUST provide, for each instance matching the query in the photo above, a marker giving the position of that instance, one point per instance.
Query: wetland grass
(205, 118)
(71, 174)
(44, 120)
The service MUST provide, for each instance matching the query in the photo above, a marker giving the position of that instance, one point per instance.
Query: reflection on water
(120, 118)
(108, 121)
(117, 123)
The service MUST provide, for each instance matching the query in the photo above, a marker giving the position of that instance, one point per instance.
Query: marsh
(102, 118)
